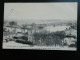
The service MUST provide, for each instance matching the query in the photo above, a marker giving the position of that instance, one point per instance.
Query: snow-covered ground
(15, 45)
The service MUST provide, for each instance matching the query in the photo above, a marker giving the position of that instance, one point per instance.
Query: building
(70, 40)
(8, 35)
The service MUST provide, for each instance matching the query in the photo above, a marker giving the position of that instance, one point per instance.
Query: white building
(70, 40)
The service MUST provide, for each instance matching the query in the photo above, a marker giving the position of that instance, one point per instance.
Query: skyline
(44, 22)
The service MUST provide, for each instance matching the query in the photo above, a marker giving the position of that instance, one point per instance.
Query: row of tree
(53, 38)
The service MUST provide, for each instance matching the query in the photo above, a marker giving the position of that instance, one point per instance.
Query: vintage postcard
(42, 26)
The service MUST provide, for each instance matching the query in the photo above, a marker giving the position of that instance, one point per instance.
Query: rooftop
(8, 33)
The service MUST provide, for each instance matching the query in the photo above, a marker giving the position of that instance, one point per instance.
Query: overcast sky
(40, 11)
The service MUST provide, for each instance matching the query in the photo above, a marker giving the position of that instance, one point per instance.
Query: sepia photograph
(40, 26)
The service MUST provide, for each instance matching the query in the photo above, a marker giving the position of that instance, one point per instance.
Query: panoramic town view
(35, 30)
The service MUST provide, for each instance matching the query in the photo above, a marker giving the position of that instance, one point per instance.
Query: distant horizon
(42, 21)
(39, 20)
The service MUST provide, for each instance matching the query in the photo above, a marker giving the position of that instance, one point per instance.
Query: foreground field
(14, 45)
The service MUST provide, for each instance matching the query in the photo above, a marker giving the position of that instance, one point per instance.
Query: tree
(5, 22)
(50, 38)
(33, 24)
(4, 29)
(13, 23)
(70, 24)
